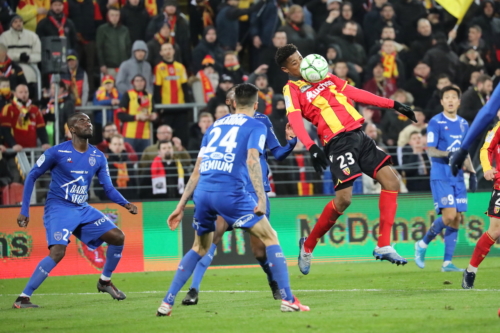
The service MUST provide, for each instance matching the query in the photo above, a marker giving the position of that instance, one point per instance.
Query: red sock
(387, 205)
(482, 249)
(325, 223)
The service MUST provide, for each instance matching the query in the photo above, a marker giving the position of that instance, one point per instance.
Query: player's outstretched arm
(255, 173)
(280, 152)
(176, 217)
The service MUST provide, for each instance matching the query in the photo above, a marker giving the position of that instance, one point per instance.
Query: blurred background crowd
(153, 75)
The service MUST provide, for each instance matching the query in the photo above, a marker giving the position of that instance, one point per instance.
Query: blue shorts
(448, 195)
(235, 207)
(85, 222)
(268, 207)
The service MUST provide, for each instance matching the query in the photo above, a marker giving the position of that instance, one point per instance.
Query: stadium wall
(151, 246)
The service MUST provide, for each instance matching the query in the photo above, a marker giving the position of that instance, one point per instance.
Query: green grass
(349, 297)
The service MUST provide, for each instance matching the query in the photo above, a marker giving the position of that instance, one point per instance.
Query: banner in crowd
(151, 246)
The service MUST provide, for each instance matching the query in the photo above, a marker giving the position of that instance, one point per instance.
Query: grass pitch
(348, 297)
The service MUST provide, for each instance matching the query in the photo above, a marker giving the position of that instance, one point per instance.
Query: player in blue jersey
(73, 164)
(258, 248)
(228, 160)
(444, 136)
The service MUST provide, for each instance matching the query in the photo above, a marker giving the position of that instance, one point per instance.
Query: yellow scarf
(390, 65)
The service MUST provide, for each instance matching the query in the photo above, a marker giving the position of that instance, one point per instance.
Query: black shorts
(494, 206)
(351, 154)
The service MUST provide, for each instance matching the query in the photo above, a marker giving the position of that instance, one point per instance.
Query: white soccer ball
(314, 68)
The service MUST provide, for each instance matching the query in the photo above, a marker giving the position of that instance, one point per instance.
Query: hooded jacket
(132, 67)
(205, 48)
(136, 19)
(113, 45)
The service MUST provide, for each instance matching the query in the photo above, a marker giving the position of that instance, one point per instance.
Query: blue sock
(450, 242)
(113, 256)
(202, 267)
(265, 267)
(277, 265)
(41, 272)
(184, 271)
(434, 230)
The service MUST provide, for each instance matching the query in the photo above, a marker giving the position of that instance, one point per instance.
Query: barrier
(151, 246)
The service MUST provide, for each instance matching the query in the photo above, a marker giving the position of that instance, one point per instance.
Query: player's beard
(87, 135)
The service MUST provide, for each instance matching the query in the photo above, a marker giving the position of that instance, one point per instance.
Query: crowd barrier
(151, 246)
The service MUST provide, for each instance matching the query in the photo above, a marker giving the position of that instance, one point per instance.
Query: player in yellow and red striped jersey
(326, 105)
(490, 161)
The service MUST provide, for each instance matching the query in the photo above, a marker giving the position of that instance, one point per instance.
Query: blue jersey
(224, 152)
(276, 149)
(72, 173)
(445, 134)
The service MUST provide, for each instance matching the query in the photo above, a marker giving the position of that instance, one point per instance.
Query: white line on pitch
(264, 291)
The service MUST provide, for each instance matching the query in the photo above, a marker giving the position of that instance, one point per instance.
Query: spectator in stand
(263, 27)
(434, 104)
(435, 16)
(113, 44)
(5, 92)
(473, 41)
(86, 15)
(278, 118)
(489, 23)
(265, 93)
(106, 95)
(136, 65)
(197, 131)
(386, 18)
(421, 43)
(6, 14)
(387, 33)
(32, 12)
(179, 30)
(320, 13)
(225, 83)
(420, 85)
(440, 58)
(201, 16)
(341, 69)
(135, 17)
(167, 173)
(277, 78)
(171, 87)
(221, 111)
(66, 107)
(109, 130)
(379, 84)
(57, 24)
(404, 135)
(137, 114)
(227, 23)
(23, 45)
(408, 12)
(162, 37)
(10, 69)
(333, 25)
(76, 79)
(205, 82)
(298, 33)
(375, 134)
(475, 97)
(208, 46)
(394, 122)
(21, 122)
(233, 68)
(470, 62)
(416, 165)
(394, 68)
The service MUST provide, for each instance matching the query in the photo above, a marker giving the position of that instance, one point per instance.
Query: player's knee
(391, 184)
(57, 252)
(342, 202)
(118, 238)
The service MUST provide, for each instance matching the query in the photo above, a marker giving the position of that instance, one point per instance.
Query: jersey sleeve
(488, 148)
(107, 184)
(39, 120)
(44, 163)
(432, 134)
(294, 117)
(291, 99)
(257, 137)
(183, 77)
(158, 76)
(204, 143)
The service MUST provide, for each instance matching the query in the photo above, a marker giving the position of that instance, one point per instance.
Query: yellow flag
(457, 8)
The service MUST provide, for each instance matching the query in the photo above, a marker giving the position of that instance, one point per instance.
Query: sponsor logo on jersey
(461, 200)
(69, 160)
(216, 165)
(279, 255)
(65, 151)
(305, 88)
(92, 160)
(444, 200)
(430, 137)
(346, 171)
(57, 235)
(79, 172)
(216, 156)
(40, 160)
(312, 94)
(242, 220)
(497, 209)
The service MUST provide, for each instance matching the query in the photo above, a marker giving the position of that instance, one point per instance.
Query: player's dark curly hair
(245, 94)
(284, 53)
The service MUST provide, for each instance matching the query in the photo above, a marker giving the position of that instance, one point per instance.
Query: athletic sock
(202, 266)
(265, 267)
(436, 227)
(184, 271)
(388, 203)
(113, 256)
(41, 272)
(279, 269)
(450, 243)
(325, 222)
(481, 250)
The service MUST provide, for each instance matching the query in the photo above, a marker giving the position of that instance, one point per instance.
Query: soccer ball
(314, 68)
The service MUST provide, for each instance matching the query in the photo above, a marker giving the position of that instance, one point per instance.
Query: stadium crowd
(134, 56)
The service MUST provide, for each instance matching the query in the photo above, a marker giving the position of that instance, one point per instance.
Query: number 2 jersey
(224, 152)
(71, 173)
(326, 105)
(445, 134)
